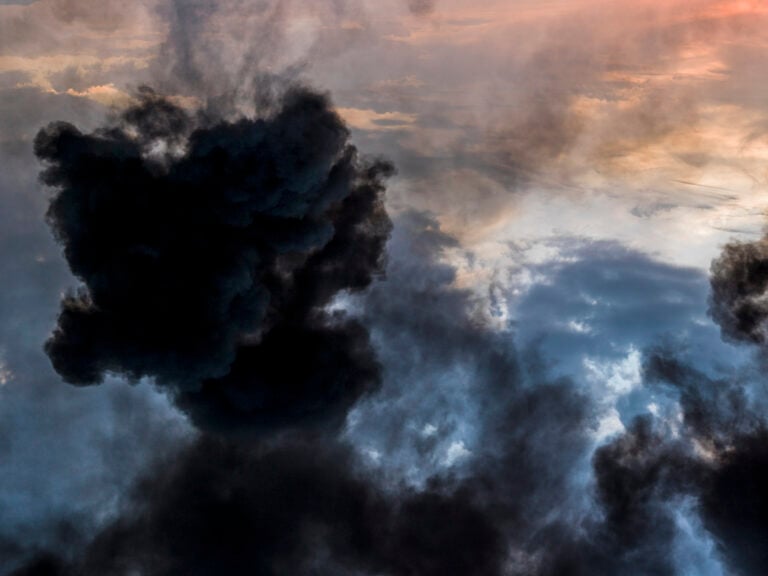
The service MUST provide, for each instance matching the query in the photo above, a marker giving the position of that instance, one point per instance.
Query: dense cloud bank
(308, 503)
(739, 286)
(208, 250)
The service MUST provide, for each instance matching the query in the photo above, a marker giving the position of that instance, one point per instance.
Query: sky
(383, 288)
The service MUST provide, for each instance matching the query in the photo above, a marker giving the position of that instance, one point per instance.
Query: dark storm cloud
(298, 509)
(45, 500)
(308, 504)
(528, 443)
(726, 418)
(739, 283)
(645, 476)
(305, 505)
(735, 504)
(714, 409)
(220, 294)
(208, 269)
(714, 464)
(639, 477)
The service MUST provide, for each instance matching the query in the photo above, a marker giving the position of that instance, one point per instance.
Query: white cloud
(609, 425)
(456, 451)
(617, 378)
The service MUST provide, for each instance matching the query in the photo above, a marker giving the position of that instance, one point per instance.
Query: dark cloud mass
(308, 504)
(299, 509)
(266, 219)
(727, 424)
(714, 465)
(356, 425)
(739, 286)
(734, 501)
(208, 250)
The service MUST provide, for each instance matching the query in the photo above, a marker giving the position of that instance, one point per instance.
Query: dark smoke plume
(307, 504)
(299, 509)
(735, 501)
(730, 484)
(735, 504)
(209, 250)
(739, 301)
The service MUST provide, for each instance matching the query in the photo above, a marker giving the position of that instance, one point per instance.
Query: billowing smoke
(209, 253)
(212, 249)
(709, 462)
(309, 504)
(734, 503)
(300, 509)
(739, 301)
(209, 250)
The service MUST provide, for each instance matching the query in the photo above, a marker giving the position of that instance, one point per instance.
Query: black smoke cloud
(209, 250)
(299, 509)
(717, 459)
(308, 504)
(726, 421)
(734, 501)
(735, 504)
(636, 477)
(714, 464)
(739, 285)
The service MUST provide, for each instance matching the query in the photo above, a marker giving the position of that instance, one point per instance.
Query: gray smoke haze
(421, 7)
